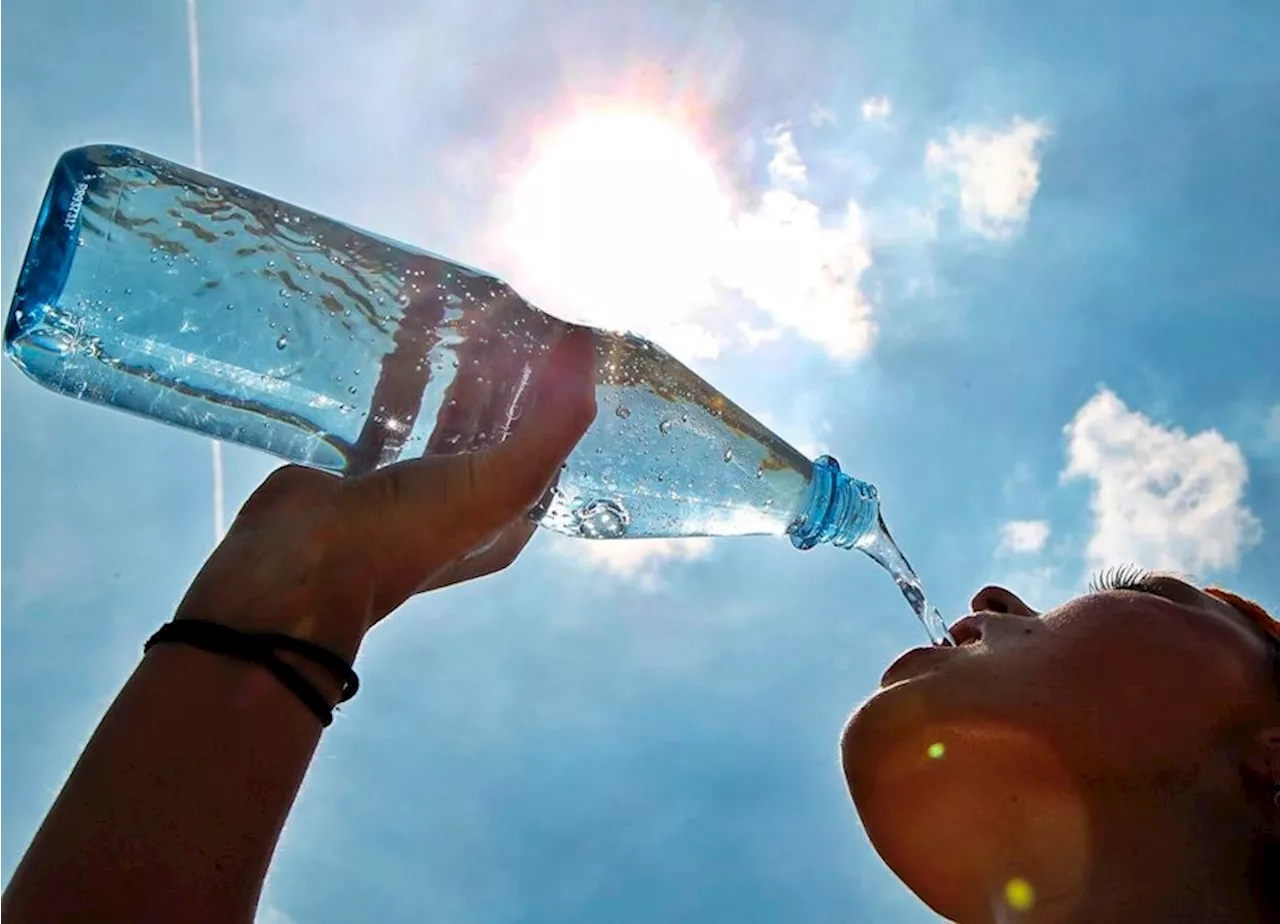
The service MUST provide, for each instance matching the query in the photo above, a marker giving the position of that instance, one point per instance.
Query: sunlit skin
(1113, 759)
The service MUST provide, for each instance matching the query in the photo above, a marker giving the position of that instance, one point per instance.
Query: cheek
(1129, 699)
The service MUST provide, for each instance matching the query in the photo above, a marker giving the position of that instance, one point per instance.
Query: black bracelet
(260, 648)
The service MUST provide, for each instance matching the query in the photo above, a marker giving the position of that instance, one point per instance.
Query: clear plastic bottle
(163, 291)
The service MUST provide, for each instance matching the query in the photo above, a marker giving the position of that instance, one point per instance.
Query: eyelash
(1123, 577)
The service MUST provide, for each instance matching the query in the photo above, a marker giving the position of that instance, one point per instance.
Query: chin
(958, 806)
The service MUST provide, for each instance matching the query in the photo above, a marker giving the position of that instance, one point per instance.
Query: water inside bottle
(879, 544)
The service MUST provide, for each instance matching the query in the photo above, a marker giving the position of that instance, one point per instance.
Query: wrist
(301, 589)
(324, 681)
(316, 675)
(334, 631)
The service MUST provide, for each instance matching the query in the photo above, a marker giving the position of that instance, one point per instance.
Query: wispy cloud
(820, 115)
(877, 108)
(269, 914)
(802, 424)
(1272, 426)
(1161, 498)
(1022, 537)
(996, 173)
(639, 561)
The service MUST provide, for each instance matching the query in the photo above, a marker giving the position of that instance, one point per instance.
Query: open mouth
(966, 632)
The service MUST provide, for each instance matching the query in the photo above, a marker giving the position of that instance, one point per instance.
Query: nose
(994, 599)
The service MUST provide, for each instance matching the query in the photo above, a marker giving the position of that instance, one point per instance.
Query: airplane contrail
(197, 138)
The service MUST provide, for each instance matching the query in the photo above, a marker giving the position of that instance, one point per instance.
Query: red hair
(1250, 610)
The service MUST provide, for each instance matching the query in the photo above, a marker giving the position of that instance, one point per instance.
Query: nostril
(967, 631)
(998, 600)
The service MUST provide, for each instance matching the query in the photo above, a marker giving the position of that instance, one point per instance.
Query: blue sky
(1050, 340)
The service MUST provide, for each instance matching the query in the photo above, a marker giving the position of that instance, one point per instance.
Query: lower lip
(914, 662)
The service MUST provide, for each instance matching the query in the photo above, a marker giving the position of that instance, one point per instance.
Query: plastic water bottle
(181, 297)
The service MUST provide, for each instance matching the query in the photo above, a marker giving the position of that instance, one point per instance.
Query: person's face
(980, 769)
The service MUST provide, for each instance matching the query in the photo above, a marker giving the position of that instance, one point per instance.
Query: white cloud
(1272, 427)
(877, 108)
(754, 336)
(269, 914)
(997, 171)
(785, 167)
(641, 561)
(801, 426)
(805, 272)
(1161, 498)
(688, 340)
(821, 115)
(623, 222)
(1022, 537)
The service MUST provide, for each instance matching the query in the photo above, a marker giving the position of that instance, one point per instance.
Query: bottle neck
(839, 509)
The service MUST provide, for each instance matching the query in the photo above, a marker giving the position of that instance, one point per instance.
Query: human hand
(324, 559)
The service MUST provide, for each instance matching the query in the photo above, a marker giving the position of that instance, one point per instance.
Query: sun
(617, 218)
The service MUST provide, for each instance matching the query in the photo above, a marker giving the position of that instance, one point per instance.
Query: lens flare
(1019, 895)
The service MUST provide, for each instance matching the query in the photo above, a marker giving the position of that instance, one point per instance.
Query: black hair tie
(260, 648)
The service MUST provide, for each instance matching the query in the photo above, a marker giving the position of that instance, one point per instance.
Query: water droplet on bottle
(665, 427)
(282, 342)
(271, 263)
(285, 293)
(760, 471)
(119, 318)
(128, 291)
(728, 455)
(352, 390)
(684, 418)
(623, 411)
(230, 306)
(602, 519)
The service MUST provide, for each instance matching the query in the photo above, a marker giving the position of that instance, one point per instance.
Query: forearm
(174, 808)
